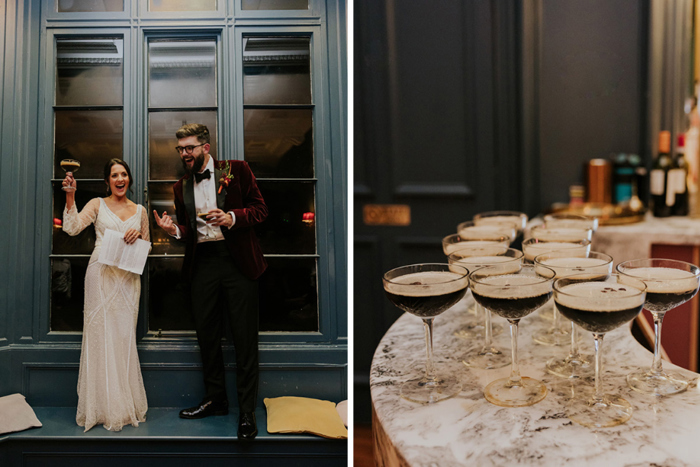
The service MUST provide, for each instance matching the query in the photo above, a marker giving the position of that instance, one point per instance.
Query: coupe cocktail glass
(670, 283)
(70, 166)
(513, 295)
(594, 266)
(576, 221)
(599, 306)
(489, 357)
(427, 290)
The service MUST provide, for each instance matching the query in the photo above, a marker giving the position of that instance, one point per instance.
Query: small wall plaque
(387, 214)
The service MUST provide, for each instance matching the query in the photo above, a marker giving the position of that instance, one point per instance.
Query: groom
(217, 204)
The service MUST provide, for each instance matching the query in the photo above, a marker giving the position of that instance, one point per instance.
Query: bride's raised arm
(74, 222)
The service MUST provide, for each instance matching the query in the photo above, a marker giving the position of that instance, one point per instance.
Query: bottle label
(657, 182)
(677, 180)
(670, 190)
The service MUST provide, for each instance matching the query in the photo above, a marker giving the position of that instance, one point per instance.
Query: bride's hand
(70, 181)
(131, 235)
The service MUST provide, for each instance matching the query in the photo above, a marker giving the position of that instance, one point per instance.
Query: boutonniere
(226, 177)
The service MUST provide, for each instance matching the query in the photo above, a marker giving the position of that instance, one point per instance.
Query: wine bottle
(658, 177)
(678, 176)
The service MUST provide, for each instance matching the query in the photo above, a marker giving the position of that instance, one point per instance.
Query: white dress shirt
(205, 201)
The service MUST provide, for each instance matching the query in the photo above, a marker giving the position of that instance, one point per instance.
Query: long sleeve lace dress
(110, 385)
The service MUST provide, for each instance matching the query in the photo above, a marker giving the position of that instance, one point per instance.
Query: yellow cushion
(303, 415)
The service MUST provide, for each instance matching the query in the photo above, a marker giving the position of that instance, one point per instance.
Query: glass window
(290, 227)
(90, 5)
(89, 71)
(160, 199)
(68, 293)
(182, 5)
(279, 143)
(275, 4)
(288, 297)
(276, 70)
(182, 73)
(84, 242)
(168, 297)
(91, 136)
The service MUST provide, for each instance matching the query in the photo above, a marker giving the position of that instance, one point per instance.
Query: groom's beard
(196, 165)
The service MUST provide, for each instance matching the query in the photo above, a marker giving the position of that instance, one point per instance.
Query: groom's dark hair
(194, 129)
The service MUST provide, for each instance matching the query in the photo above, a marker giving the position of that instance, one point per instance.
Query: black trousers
(214, 274)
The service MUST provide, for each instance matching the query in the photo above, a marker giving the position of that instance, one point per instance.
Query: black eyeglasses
(187, 149)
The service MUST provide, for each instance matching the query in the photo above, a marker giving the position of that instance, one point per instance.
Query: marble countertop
(466, 430)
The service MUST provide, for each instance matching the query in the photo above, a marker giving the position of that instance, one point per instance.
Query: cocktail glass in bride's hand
(427, 290)
(70, 166)
(670, 283)
(599, 306)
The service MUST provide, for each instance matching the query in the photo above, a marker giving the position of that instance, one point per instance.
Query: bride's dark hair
(108, 172)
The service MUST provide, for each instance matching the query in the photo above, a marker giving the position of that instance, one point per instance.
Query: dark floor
(363, 447)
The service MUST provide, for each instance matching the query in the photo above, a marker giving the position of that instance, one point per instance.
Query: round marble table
(466, 430)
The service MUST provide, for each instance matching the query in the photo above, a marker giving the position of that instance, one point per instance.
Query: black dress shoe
(247, 428)
(206, 409)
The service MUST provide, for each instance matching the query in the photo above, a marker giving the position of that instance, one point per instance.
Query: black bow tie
(198, 177)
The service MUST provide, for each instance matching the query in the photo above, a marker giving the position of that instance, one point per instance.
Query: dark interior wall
(479, 106)
(593, 78)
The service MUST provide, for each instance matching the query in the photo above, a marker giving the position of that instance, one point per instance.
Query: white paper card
(115, 252)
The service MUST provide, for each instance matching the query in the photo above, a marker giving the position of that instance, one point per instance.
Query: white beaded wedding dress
(110, 386)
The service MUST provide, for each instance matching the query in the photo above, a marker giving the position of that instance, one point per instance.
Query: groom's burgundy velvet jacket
(241, 196)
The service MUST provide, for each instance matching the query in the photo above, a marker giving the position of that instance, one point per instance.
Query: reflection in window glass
(290, 227)
(169, 296)
(67, 293)
(182, 73)
(91, 136)
(165, 162)
(278, 143)
(288, 299)
(161, 199)
(276, 70)
(84, 242)
(90, 5)
(275, 4)
(182, 5)
(89, 71)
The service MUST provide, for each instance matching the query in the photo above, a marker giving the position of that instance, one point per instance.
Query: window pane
(84, 242)
(91, 136)
(164, 161)
(290, 227)
(89, 71)
(276, 71)
(160, 199)
(278, 143)
(275, 4)
(90, 5)
(67, 293)
(182, 5)
(168, 297)
(182, 73)
(288, 299)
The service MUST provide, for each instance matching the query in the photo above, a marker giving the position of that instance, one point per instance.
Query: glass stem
(557, 318)
(428, 324)
(488, 331)
(573, 353)
(515, 379)
(656, 363)
(598, 341)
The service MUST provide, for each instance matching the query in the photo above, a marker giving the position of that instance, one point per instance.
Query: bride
(110, 386)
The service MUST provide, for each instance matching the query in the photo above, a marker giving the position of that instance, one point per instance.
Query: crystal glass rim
(524, 217)
(505, 225)
(537, 278)
(556, 286)
(447, 268)
(558, 254)
(576, 243)
(517, 254)
(692, 268)
(543, 226)
(448, 239)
